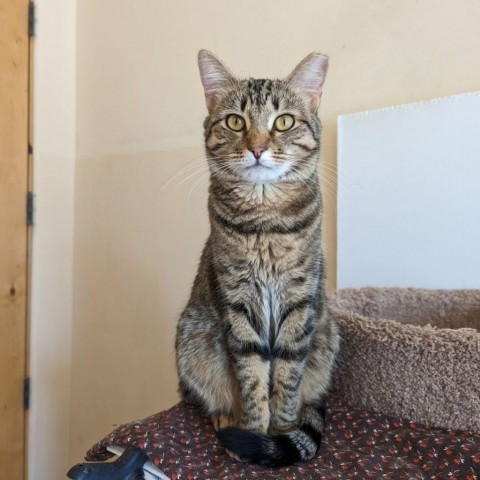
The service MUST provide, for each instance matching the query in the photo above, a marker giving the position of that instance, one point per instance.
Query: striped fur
(256, 342)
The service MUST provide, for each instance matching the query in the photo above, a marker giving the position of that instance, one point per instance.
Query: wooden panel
(14, 108)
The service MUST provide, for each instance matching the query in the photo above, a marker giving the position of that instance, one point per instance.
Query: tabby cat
(256, 342)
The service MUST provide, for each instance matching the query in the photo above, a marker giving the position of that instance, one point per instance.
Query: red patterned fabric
(356, 444)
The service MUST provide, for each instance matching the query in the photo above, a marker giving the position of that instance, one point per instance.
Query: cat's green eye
(235, 123)
(284, 123)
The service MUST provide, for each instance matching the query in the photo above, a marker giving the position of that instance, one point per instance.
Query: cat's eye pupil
(235, 123)
(284, 122)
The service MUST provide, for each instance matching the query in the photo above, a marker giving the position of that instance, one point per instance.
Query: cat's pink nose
(257, 152)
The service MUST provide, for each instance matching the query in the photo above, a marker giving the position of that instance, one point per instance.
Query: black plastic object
(129, 466)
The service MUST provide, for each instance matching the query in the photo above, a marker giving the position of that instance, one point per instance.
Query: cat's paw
(278, 428)
(219, 421)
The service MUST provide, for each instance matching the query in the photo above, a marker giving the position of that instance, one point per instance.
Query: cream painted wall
(52, 254)
(138, 120)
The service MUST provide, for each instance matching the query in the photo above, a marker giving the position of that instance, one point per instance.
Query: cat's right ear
(215, 76)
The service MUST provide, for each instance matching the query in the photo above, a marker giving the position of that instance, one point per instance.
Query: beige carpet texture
(411, 353)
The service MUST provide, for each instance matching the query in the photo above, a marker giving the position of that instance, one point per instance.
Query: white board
(409, 195)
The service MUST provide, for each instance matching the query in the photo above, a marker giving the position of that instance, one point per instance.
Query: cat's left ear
(309, 76)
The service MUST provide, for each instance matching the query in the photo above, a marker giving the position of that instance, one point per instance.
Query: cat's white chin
(259, 174)
(264, 171)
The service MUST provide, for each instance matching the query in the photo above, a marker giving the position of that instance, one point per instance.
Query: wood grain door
(14, 234)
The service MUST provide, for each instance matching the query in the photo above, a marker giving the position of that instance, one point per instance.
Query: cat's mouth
(259, 172)
(258, 165)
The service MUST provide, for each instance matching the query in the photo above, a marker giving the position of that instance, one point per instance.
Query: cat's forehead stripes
(259, 91)
(243, 103)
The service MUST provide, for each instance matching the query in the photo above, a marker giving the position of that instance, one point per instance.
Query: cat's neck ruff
(265, 194)
(260, 193)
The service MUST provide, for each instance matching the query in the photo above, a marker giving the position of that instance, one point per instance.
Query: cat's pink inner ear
(215, 77)
(309, 76)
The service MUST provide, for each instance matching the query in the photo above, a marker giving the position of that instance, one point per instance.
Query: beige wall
(52, 255)
(139, 112)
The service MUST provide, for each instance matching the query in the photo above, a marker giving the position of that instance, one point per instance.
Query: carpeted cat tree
(411, 353)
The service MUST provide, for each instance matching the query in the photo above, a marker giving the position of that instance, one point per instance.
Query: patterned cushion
(356, 444)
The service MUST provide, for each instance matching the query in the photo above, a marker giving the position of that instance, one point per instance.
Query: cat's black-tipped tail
(276, 450)
(272, 451)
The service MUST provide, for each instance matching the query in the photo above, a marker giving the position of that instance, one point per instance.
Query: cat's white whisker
(183, 169)
(336, 170)
(203, 181)
(330, 181)
(204, 178)
(198, 162)
(198, 171)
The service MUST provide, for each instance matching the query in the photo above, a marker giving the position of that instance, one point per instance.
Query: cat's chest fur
(269, 258)
(261, 256)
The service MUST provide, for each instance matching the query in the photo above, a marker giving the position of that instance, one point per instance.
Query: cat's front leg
(289, 357)
(251, 361)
